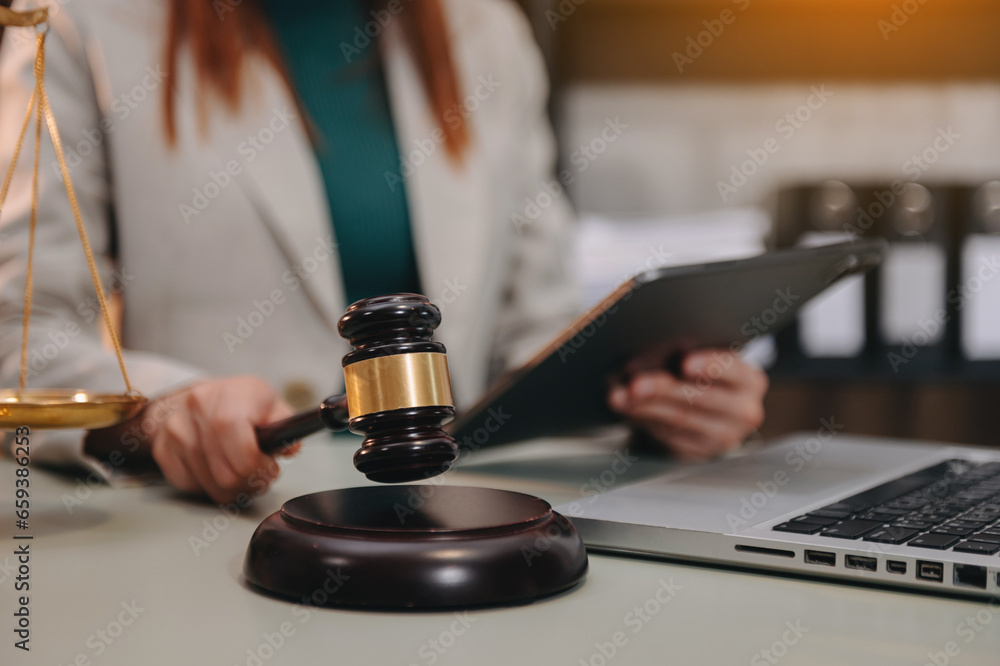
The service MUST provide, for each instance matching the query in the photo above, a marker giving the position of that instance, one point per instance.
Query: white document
(980, 294)
(609, 250)
(832, 325)
(913, 293)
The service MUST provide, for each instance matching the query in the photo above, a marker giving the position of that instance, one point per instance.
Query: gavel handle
(331, 414)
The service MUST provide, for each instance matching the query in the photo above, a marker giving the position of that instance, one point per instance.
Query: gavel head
(398, 388)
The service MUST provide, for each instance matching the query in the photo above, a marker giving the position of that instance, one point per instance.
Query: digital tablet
(650, 321)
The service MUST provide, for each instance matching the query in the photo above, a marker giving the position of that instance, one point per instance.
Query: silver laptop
(890, 512)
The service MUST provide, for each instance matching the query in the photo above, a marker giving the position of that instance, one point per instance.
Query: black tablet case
(656, 316)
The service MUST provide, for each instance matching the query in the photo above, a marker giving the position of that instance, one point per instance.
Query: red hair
(219, 39)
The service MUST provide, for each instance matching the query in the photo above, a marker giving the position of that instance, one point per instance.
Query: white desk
(133, 545)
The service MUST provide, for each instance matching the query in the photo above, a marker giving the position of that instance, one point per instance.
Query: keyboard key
(878, 516)
(979, 517)
(890, 511)
(912, 524)
(907, 503)
(965, 522)
(932, 518)
(815, 520)
(893, 535)
(935, 541)
(953, 530)
(827, 512)
(977, 547)
(896, 489)
(851, 529)
(987, 538)
(797, 527)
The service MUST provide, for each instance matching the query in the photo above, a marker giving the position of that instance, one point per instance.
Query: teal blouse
(341, 86)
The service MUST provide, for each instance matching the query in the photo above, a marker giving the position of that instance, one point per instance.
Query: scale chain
(39, 104)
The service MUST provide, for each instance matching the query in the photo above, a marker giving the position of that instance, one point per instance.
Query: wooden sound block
(396, 547)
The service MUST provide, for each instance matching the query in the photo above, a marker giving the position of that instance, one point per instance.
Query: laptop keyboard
(954, 505)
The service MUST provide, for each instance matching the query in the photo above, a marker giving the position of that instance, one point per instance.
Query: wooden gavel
(398, 393)
(461, 547)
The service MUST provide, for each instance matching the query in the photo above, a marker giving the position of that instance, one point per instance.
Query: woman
(247, 169)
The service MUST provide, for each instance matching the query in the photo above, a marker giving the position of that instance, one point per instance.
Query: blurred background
(700, 129)
(693, 130)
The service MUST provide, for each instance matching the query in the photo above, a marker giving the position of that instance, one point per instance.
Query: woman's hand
(715, 404)
(202, 437)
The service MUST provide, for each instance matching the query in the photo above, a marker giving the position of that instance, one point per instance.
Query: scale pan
(49, 409)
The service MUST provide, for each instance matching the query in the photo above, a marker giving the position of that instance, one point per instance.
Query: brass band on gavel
(399, 381)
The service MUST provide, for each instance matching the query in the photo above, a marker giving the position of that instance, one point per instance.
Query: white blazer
(224, 249)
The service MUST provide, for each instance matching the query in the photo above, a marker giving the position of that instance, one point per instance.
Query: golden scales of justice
(55, 408)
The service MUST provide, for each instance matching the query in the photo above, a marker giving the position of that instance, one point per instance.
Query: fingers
(708, 366)
(684, 446)
(226, 416)
(708, 412)
(226, 425)
(738, 396)
(171, 462)
(202, 408)
(196, 461)
(696, 434)
(208, 445)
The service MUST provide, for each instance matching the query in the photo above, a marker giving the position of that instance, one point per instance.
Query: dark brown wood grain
(415, 547)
